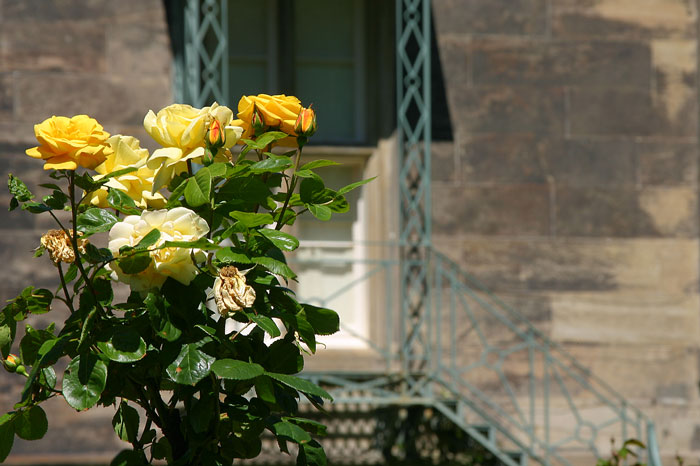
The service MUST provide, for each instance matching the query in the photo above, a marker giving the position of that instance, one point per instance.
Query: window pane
(324, 29)
(247, 28)
(331, 88)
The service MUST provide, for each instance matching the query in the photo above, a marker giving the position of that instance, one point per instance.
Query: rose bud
(258, 122)
(11, 363)
(217, 137)
(306, 122)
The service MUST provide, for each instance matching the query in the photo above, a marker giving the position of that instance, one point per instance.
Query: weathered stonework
(591, 114)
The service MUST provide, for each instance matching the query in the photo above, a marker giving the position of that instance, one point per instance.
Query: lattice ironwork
(413, 120)
(206, 65)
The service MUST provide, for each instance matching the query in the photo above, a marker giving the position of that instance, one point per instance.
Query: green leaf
(274, 266)
(218, 169)
(96, 220)
(35, 207)
(265, 323)
(306, 331)
(18, 189)
(95, 255)
(114, 174)
(321, 212)
(57, 200)
(149, 240)
(236, 370)
(312, 427)
(86, 182)
(311, 454)
(318, 164)
(160, 319)
(265, 389)
(7, 435)
(352, 186)
(122, 202)
(291, 432)
(126, 422)
(36, 301)
(202, 243)
(6, 338)
(313, 191)
(198, 188)
(135, 263)
(230, 255)
(84, 381)
(190, 366)
(273, 163)
(300, 384)
(201, 413)
(324, 321)
(251, 219)
(265, 139)
(282, 240)
(124, 345)
(31, 423)
(32, 342)
(129, 458)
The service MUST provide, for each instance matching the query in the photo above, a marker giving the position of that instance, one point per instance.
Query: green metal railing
(485, 367)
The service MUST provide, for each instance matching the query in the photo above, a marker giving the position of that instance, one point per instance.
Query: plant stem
(69, 300)
(74, 242)
(290, 191)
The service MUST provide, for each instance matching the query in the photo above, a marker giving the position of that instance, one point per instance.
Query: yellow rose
(278, 111)
(66, 143)
(181, 130)
(178, 224)
(138, 184)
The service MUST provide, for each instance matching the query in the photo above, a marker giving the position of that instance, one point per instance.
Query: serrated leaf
(31, 423)
(135, 263)
(282, 240)
(300, 384)
(229, 255)
(274, 266)
(122, 202)
(116, 173)
(84, 381)
(236, 370)
(324, 321)
(291, 432)
(265, 139)
(321, 212)
(218, 169)
(126, 422)
(149, 240)
(198, 188)
(18, 189)
(251, 219)
(123, 345)
(160, 320)
(265, 323)
(311, 454)
(7, 436)
(96, 220)
(190, 366)
(273, 163)
(318, 164)
(350, 187)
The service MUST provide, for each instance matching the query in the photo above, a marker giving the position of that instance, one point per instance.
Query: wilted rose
(231, 292)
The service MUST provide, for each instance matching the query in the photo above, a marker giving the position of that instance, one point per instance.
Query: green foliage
(165, 339)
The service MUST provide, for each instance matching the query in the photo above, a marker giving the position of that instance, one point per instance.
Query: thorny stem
(290, 191)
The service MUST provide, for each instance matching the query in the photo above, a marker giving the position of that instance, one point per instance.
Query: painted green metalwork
(447, 342)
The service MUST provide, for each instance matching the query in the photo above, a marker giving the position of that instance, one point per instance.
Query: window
(336, 54)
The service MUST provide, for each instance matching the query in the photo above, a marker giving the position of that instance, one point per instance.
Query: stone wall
(571, 185)
(111, 60)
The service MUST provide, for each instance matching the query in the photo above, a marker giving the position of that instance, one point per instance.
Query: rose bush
(195, 231)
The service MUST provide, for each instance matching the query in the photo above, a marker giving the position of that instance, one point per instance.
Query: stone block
(623, 18)
(494, 210)
(505, 158)
(576, 264)
(444, 163)
(516, 17)
(456, 61)
(667, 163)
(626, 317)
(675, 84)
(57, 10)
(621, 112)
(6, 95)
(506, 109)
(109, 100)
(597, 63)
(588, 162)
(137, 50)
(65, 46)
(618, 212)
